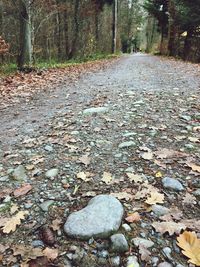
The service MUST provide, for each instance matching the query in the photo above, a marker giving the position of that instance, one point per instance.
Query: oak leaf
(23, 190)
(11, 224)
(194, 167)
(170, 227)
(27, 253)
(190, 244)
(85, 160)
(83, 176)
(122, 195)
(155, 198)
(56, 224)
(165, 153)
(145, 253)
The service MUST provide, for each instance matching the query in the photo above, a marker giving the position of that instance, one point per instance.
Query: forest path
(144, 149)
(135, 72)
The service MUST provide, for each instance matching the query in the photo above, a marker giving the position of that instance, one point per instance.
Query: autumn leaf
(23, 190)
(194, 139)
(13, 209)
(122, 195)
(155, 198)
(159, 175)
(134, 217)
(50, 253)
(147, 155)
(144, 253)
(83, 176)
(170, 227)
(190, 244)
(27, 253)
(165, 153)
(107, 178)
(56, 224)
(11, 224)
(134, 177)
(189, 199)
(85, 160)
(193, 166)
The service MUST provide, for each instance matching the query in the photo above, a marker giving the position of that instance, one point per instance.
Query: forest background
(46, 32)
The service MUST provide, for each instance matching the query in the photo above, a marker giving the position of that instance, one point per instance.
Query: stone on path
(132, 261)
(172, 184)
(19, 173)
(90, 111)
(119, 243)
(51, 173)
(137, 241)
(46, 204)
(127, 144)
(159, 210)
(165, 264)
(99, 219)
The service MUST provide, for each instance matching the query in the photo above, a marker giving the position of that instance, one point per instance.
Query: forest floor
(147, 132)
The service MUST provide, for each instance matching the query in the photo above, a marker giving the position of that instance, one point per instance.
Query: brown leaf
(27, 253)
(50, 253)
(83, 176)
(145, 253)
(190, 244)
(189, 199)
(85, 160)
(147, 155)
(155, 198)
(165, 153)
(13, 209)
(170, 227)
(11, 224)
(56, 224)
(22, 190)
(136, 178)
(194, 167)
(122, 195)
(134, 217)
(192, 224)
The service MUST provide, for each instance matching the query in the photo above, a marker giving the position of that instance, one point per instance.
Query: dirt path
(137, 72)
(144, 148)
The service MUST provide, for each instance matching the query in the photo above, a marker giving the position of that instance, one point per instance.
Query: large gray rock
(99, 219)
(90, 111)
(172, 184)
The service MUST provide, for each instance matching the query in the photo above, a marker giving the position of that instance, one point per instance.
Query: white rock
(51, 173)
(132, 261)
(142, 241)
(127, 144)
(90, 111)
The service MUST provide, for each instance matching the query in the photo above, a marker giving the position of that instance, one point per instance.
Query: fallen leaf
(134, 217)
(170, 227)
(122, 195)
(136, 178)
(50, 253)
(165, 153)
(13, 209)
(27, 253)
(194, 139)
(193, 166)
(190, 244)
(147, 155)
(3, 248)
(155, 198)
(189, 199)
(23, 190)
(145, 253)
(89, 194)
(83, 176)
(56, 224)
(107, 178)
(159, 174)
(192, 224)
(196, 128)
(173, 214)
(85, 160)
(160, 164)
(11, 224)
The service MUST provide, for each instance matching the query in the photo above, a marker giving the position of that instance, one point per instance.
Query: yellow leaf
(190, 244)
(107, 178)
(83, 176)
(193, 166)
(134, 177)
(155, 198)
(11, 224)
(159, 175)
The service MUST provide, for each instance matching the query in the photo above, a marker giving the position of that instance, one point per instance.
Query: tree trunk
(187, 45)
(114, 28)
(173, 29)
(76, 30)
(66, 34)
(97, 27)
(25, 55)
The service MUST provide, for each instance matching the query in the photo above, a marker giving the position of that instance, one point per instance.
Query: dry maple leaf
(107, 178)
(85, 160)
(23, 190)
(165, 153)
(50, 253)
(147, 155)
(27, 253)
(134, 217)
(145, 253)
(192, 224)
(11, 224)
(170, 227)
(155, 198)
(83, 176)
(56, 224)
(193, 166)
(190, 244)
(134, 177)
(122, 195)
(13, 209)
